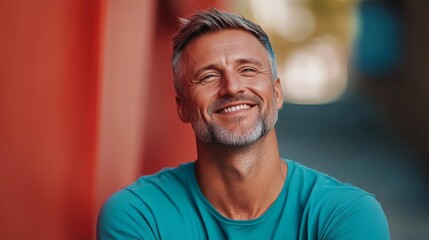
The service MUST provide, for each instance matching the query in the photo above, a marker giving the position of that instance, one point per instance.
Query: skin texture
(238, 168)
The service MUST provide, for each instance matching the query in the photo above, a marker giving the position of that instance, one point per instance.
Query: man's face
(230, 96)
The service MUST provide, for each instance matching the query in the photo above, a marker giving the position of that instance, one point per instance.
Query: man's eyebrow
(253, 61)
(238, 61)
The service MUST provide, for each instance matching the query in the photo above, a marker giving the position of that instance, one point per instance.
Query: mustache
(216, 105)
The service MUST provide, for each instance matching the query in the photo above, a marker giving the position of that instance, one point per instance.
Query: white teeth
(235, 108)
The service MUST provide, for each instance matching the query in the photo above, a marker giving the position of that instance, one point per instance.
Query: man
(239, 188)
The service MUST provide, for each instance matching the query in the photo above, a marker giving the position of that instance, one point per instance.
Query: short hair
(213, 20)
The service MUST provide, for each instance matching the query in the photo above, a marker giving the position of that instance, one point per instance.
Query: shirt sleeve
(125, 216)
(362, 219)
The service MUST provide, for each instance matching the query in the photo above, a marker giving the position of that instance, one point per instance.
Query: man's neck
(241, 183)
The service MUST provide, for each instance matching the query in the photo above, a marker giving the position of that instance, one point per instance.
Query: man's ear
(278, 93)
(182, 110)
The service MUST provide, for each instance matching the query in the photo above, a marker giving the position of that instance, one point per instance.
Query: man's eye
(207, 77)
(249, 71)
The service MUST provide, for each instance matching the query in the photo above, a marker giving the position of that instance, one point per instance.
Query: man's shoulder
(151, 196)
(314, 180)
(319, 189)
(168, 181)
(137, 209)
(155, 189)
(341, 209)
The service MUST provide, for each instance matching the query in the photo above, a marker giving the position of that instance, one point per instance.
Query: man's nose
(230, 85)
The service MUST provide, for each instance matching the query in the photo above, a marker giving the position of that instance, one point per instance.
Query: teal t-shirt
(311, 205)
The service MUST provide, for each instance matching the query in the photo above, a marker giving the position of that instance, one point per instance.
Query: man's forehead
(223, 37)
(221, 43)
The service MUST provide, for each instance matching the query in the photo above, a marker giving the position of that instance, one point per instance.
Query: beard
(241, 136)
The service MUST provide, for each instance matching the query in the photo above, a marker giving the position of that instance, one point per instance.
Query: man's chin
(230, 135)
(238, 139)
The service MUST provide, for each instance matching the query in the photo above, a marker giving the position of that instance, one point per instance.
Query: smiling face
(230, 96)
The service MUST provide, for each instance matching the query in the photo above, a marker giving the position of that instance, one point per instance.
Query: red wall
(49, 65)
(127, 40)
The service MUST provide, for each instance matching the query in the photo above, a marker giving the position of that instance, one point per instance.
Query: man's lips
(234, 107)
(234, 104)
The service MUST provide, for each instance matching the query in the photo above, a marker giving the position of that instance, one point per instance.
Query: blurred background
(87, 102)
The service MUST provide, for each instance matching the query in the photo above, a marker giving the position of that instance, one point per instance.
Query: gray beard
(211, 133)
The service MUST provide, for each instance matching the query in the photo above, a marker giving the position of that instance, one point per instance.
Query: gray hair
(211, 21)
